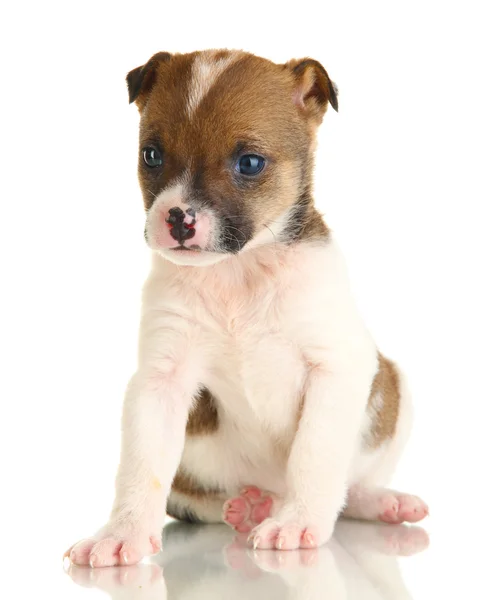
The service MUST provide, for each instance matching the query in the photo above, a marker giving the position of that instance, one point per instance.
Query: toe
(252, 493)
(308, 539)
(236, 511)
(289, 537)
(264, 536)
(131, 552)
(261, 511)
(80, 553)
(390, 507)
(244, 527)
(234, 517)
(412, 509)
(155, 544)
(106, 553)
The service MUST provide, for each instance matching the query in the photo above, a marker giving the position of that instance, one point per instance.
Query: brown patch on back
(203, 417)
(186, 495)
(384, 402)
(186, 489)
(184, 483)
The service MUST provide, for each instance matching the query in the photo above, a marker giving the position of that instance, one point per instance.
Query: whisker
(235, 239)
(229, 234)
(272, 233)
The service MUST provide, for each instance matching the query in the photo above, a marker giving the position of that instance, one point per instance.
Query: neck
(306, 224)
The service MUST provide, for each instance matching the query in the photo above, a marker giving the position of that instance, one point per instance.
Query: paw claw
(291, 529)
(256, 542)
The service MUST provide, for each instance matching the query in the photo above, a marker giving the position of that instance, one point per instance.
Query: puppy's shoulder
(321, 267)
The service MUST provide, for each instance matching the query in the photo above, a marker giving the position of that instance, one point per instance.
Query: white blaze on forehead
(205, 71)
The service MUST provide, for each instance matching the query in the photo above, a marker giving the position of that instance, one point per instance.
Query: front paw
(291, 528)
(114, 545)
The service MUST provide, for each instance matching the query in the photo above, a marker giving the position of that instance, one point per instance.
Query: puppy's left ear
(141, 80)
(313, 87)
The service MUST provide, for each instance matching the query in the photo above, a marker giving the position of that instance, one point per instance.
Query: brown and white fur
(260, 398)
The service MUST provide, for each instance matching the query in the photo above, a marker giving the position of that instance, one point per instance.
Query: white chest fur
(245, 317)
(251, 320)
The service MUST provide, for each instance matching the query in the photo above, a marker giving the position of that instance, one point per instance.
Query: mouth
(193, 248)
(192, 256)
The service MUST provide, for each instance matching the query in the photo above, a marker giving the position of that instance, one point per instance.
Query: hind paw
(398, 508)
(248, 509)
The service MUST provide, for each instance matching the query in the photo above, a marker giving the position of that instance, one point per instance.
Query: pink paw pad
(247, 510)
(401, 508)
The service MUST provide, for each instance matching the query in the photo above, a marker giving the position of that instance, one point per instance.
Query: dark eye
(152, 157)
(250, 164)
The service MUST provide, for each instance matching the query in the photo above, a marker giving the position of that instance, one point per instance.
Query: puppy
(260, 398)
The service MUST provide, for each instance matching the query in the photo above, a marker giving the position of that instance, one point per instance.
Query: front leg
(321, 454)
(154, 420)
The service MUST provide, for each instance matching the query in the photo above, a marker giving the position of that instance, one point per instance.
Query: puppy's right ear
(141, 80)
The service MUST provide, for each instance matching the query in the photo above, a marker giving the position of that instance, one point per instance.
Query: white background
(408, 176)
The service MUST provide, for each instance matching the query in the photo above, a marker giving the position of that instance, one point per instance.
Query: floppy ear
(313, 87)
(141, 80)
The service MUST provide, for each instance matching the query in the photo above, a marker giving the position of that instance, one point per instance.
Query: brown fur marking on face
(384, 403)
(242, 104)
(205, 70)
(203, 417)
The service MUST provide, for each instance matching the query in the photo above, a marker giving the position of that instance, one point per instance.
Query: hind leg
(368, 497)
(382, 504)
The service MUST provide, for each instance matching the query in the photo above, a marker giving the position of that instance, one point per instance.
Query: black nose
(181, 230)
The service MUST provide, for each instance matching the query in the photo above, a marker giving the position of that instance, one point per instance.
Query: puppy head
(226, 147)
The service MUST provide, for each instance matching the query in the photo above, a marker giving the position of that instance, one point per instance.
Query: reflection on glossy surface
(208, 562)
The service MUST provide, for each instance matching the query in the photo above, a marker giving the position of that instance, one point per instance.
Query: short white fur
(264, 330)
(205, 71)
